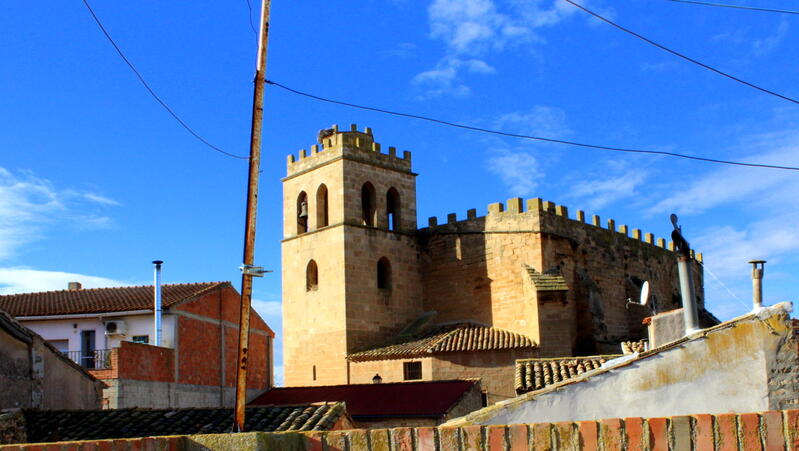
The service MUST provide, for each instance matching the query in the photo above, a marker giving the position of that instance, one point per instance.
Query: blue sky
(96, 180)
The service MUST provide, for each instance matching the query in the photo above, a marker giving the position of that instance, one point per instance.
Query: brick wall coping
(771, 430)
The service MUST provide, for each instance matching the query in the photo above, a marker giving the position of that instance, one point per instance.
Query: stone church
(367, 294)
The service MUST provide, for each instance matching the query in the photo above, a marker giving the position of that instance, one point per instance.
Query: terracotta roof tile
(97, 300)
(546, 281)
(63, 425)
(535, 374)
(446, 338)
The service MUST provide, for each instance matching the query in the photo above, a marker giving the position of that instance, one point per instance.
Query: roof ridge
(115, 288)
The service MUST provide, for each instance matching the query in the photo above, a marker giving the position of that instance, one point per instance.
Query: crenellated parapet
(335, 144)
(526, 211)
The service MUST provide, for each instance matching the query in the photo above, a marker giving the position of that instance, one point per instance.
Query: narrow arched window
(321, 206)
(384, 274)
(302, 213)
(368, 206)
(311, 276)
(393, 209)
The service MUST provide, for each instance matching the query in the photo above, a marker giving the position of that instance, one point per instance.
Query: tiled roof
(62, 425)
(400, 399)
(630, 347)
(535, 374)
(446, 338)
(97, 300)
(546, 281)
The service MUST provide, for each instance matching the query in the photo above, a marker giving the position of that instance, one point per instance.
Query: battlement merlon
(353, 145)
(517, 206)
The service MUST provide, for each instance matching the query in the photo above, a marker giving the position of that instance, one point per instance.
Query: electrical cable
(723, 285)
(252, 25)
(536, 138)
(722, 5)
(687, 58)
(152, 93)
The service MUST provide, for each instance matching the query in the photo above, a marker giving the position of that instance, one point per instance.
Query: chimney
(74, 286)
(157, 302)
(684, 261)
(757, 284)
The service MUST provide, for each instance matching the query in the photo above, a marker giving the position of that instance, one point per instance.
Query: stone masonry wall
(473, 269)
(783, 381)
(346, 311)
(771, 430)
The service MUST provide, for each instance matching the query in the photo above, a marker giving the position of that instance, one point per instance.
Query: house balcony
(99, 359)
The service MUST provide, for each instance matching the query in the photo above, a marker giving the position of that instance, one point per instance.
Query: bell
(303, 210)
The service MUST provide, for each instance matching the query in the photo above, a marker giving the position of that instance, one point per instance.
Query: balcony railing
(99, 359)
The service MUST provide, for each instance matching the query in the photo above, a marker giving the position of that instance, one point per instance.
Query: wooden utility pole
(247, 269)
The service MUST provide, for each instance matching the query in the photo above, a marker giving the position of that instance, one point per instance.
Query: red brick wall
(145, 362)
(199, 352)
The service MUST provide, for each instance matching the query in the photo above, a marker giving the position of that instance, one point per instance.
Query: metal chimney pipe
(690, 313)
(757, 283)
(683, 250)
(157, 302)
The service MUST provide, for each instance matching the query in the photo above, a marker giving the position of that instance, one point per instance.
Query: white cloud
(474, 28)
(519, 170)
(267, 309)
(766, 45)
(601, 192)
(444, 78)
(29, 204)
(540, 120)
(744, 186)
(26, 280)
(279, 375)
(100, 199)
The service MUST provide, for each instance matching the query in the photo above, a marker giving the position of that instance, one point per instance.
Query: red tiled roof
(97, 300)
(398, 399)
(535, 374)
(447, 338)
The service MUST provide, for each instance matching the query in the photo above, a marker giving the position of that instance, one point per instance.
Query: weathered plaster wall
(33, 374)
(15, 372)
(724, 369)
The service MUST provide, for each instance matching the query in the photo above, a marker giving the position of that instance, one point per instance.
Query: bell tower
(349, 253)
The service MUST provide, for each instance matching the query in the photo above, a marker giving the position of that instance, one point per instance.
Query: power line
(687, 58)
(252, 26)
(536, 138)
(723, 5)
(152, 93)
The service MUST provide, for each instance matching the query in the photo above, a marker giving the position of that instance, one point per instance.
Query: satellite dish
(645, 293)
(673, 218)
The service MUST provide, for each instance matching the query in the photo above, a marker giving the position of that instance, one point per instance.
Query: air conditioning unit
(116, 327)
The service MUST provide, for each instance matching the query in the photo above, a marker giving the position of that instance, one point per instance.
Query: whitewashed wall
(70, 329)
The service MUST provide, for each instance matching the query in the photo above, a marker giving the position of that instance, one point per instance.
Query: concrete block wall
(771, 430)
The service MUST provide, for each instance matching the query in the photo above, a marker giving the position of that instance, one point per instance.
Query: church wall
(495, 369)
(473, 269)
(312, 320)
(374, 314)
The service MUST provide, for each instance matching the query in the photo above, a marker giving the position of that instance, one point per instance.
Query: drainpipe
(757, 284)
(157, 306)
(687, 293)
